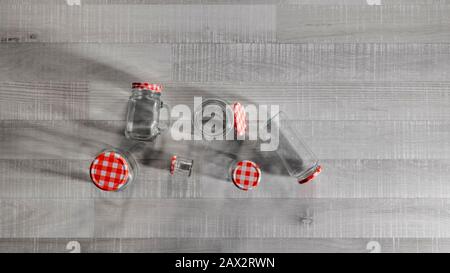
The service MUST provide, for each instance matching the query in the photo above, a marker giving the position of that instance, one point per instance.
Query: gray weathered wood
(363, 23)
(262, 63)
(69, 179)
(305, 101)
(138, 23)
(367, 86)
(296, 63)
(304, 22)
(328, 139)
(31, 218)
(272, 218)
(201, 245)
(229, 2)
(109, 63)
(44, 101)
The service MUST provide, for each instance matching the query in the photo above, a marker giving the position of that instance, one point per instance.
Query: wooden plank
(69, 179)
(328, 139)
(356, 2)
(84, 62)
(274, 218)
(224, 63)
(296, 63)
(303, 101)
(363, 23)
(45, 179)
(138, 23)
(200, 245)
(44, 101)
(31, 218)
(74, 3)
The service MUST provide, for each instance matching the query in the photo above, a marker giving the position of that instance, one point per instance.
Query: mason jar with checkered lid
(113, 170)
(144, 121)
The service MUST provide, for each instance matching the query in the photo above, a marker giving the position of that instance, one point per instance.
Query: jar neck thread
(141, 92)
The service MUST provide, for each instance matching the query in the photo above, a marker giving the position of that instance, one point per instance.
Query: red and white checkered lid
(173, 161)
(246, 175)
(109, 171)
(147, 86)
(240, 124)
(311, 176)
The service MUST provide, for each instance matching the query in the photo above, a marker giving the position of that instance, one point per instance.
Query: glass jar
(143, 113)
(296, 157)
(213, 119)
(181, 166)
(113, 170)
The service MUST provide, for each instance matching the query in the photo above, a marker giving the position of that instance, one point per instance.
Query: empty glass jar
(298, 159)
(143, 114)
(181, 166)
(213, 119)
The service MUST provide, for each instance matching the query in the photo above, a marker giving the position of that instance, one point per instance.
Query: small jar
(181, 166)
(113, 170)
(143, 113)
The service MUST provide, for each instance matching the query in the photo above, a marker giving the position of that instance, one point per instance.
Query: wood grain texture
(263, 63)
(31, 218)
(44, 101)
(363, 23)
(274, 218)
(304, 101)
(69, 180)
(367, 87)
(229, 2)
(328, 139)
(108, 63)
(227, 245)
(138, 23)
(296, 63)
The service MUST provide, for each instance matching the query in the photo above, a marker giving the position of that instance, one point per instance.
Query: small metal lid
(240, 124)
(109, 171)
(147, 86)
(311, 176)
(246, 175)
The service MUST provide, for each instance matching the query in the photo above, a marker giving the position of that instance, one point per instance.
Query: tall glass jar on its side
(295, 155)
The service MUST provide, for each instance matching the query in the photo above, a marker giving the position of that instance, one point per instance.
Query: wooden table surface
(366, 82)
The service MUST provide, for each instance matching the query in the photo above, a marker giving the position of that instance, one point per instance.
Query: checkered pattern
(147, 86)
(109, 171)
(246, 175)
(240, 124)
